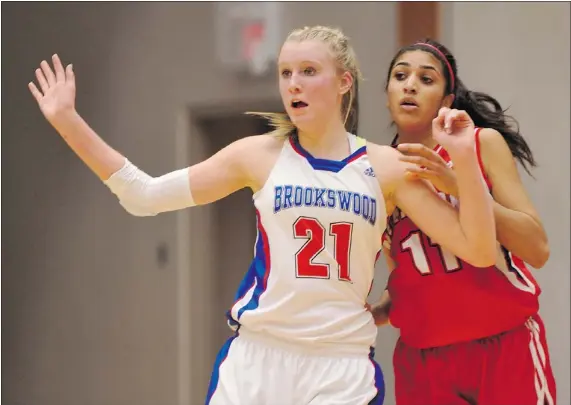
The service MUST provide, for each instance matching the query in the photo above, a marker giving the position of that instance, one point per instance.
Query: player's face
(310, 85)
(416, 90)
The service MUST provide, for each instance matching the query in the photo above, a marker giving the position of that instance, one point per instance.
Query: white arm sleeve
(142, 195)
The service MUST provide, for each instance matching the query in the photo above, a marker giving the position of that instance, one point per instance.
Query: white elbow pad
(142, 195)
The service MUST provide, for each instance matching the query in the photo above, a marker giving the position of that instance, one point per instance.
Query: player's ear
(448, 100)
(346, 82)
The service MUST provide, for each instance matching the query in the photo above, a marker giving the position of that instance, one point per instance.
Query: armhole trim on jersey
(360, 142)
(480, 161)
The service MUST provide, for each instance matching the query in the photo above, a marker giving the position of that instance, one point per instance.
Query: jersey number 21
(316, 234)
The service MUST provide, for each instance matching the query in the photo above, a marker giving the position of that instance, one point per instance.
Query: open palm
(56, 95)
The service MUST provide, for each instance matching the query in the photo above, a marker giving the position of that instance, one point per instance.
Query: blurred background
(102, 308)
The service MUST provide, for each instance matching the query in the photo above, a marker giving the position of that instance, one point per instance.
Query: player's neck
(424, 137)
(332, 143)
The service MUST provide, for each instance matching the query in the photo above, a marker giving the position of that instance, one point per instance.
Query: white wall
(519, 53)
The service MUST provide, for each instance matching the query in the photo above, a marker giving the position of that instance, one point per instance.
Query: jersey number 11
(413, 243)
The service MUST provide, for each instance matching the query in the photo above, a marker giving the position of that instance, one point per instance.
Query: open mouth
(298, 104)
(409, 103)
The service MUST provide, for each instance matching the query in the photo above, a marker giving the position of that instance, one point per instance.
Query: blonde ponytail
(279, 121)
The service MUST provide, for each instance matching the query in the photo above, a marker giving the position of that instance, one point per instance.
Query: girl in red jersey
(468, 335)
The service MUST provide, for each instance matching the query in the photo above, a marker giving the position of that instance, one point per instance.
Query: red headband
(439, 52)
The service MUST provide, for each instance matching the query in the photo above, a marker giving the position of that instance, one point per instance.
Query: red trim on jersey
(523, 273)
(295, 147)
(378, 255)
(444, 154)
(480, 161)
(358, 153)
(385, 237)
(252, 276)
(266, 246)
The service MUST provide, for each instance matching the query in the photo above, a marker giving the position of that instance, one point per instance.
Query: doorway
(233, 222)
(222, 239)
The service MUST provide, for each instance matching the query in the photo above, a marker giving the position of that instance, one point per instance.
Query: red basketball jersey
(438, 299)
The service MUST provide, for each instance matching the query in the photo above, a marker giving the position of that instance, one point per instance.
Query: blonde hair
(346, 60)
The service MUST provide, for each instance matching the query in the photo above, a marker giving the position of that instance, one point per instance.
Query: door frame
(187, 126)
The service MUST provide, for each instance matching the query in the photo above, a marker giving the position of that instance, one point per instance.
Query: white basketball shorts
(250, 370)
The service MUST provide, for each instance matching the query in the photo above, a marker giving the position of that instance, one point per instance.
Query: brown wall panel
(416, 20)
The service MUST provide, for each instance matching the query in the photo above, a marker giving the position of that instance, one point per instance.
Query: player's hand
(429, 165)
(454, 130)
(380, 314)
(56, 95)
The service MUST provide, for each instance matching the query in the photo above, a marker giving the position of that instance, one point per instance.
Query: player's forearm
(521, 234)
(476, 211)
(101, 158)
(139, 193)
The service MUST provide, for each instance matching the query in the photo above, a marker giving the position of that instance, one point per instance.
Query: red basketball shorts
(511, 368)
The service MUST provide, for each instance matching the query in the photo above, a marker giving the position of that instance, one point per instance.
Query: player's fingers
(421, 150)
(413, 173)
(449, 119)
(58, 67)
(443, 111)
(458, 119)
(438, 122)
(461, 115)
(422, 170)
(42, 81)
(420, 161)
(70, 76)
(48, 73)
(35, 92)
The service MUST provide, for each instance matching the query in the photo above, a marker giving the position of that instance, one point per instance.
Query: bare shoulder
(493, 147)
(254, 143)
(252, 148)
(270, 142)
(491, 139)
(258, 155)
(246, 162)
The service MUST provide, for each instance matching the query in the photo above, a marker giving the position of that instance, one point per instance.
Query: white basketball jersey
(320, 224)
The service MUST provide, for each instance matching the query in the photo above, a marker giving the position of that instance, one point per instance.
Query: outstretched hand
(56, 95)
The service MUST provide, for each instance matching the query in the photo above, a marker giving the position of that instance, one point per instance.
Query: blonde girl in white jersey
(306, 340)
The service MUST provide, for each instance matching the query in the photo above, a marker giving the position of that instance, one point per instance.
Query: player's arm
(518, 225)
(216, 177)
(144, 195)
(461, 231)
(139, 193)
